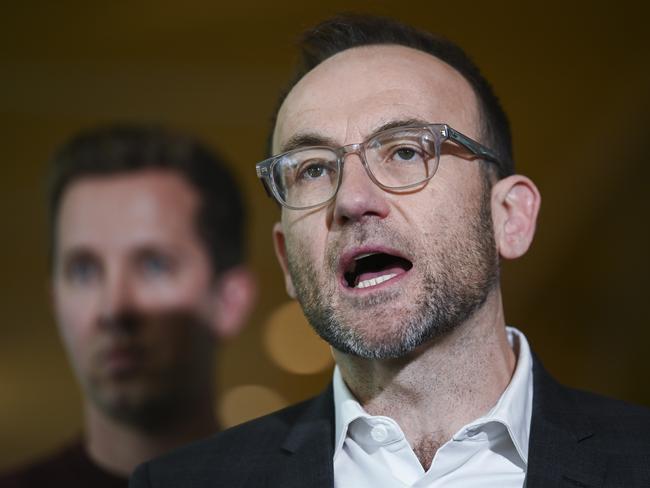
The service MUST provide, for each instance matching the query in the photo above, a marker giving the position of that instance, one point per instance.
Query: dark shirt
(70, 467)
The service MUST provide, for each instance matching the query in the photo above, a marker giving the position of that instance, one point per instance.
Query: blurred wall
(574, 78)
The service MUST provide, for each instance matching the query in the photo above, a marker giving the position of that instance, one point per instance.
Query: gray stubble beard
(456, 282)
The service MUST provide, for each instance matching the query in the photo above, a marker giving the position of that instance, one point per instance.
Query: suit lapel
(559, 451)
(308, 450)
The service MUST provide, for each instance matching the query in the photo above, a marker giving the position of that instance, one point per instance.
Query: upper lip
(121, 350)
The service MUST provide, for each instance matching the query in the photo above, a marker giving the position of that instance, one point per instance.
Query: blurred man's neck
(119, 448)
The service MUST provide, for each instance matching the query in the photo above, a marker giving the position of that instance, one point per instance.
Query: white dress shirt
(491, 451)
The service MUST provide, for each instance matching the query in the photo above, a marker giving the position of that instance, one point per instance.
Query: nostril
(123, 321)
(358, 208)
(358, 197)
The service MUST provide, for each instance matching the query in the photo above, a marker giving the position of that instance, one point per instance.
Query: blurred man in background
(147, 246)
(393, 165)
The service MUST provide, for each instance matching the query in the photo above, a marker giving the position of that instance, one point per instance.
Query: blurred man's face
(134, 293)
(426, 258)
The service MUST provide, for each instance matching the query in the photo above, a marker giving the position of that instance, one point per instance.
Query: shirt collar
(346, 409)
(513, 410)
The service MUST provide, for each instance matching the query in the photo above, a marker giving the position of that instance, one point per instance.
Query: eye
(314, 169)
(405, 153)
(155, 264)
(82, 269)
(398, 149)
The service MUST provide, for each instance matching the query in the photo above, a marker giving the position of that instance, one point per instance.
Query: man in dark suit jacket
(393, 167)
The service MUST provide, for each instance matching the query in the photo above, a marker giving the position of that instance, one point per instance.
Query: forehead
(351, 93)
(127, 208)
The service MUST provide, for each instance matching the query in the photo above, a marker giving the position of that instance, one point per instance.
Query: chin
(375, 340)
(127, 401)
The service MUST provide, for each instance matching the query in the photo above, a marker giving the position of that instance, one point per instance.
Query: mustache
(358, 234)
(137, 331)
(128, 322)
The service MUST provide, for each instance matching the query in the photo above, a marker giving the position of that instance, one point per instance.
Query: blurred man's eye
(153, 265)
(82, 270)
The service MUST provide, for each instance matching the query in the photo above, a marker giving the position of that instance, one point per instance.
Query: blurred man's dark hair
(124, 148)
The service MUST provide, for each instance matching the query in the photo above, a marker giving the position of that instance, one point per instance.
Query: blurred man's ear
(235, 296)
(515, 205)
(281, 254)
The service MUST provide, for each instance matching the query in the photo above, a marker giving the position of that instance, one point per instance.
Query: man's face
(427, 258)
(134, 292)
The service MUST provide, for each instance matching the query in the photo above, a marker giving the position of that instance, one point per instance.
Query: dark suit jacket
(577, 439)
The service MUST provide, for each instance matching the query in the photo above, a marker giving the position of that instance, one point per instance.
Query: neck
(119, 448)
(444, 385)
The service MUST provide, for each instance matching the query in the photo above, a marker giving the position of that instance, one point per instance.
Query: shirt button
(379, 433)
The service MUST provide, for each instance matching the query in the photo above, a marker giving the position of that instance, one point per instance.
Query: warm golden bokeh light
(246, 402)
(292, 344)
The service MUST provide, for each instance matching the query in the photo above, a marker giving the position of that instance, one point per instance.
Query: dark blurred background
(573, 76)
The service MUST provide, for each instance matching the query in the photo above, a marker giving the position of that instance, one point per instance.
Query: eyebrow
(76, 251)
(307, 139)
(68, 256)
(395, 124)
(311, 139)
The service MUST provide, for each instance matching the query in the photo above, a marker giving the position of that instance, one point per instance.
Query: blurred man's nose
(358, 196)
(117, 302)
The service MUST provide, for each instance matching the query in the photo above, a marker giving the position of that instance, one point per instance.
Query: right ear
(281, 254)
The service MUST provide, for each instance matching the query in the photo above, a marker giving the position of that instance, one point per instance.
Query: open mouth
(374, 268)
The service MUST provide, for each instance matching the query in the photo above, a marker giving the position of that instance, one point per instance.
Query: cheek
(185, 291)
(456, 189)
(75, 318)
(306, 238)
(177, 340)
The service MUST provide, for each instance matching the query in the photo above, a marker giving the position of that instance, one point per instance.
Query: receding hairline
(478, 106)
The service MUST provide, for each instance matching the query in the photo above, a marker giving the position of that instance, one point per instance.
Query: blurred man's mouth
(122, 360)
(369, 268)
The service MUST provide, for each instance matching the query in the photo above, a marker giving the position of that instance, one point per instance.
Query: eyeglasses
(395, 159)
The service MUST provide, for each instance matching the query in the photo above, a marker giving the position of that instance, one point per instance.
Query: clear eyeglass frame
(439, 133)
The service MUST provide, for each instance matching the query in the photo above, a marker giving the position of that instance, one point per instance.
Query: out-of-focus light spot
(292, 344)
(247, 402)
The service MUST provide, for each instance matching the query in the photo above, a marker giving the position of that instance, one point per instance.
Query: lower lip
(369, 289)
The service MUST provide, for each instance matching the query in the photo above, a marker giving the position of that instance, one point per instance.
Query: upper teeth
(375, 281)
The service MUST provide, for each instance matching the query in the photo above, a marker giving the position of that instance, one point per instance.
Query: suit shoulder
(600, 406)
(616, 420)
(272, 425)
(225, 454)
(609, 418)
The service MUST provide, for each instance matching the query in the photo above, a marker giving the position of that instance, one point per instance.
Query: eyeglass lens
(396, 159)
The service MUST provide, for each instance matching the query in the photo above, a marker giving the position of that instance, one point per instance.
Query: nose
(116, 304)
(358, 196)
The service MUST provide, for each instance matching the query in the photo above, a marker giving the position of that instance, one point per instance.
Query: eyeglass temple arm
(262, 170)
(476, 148)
